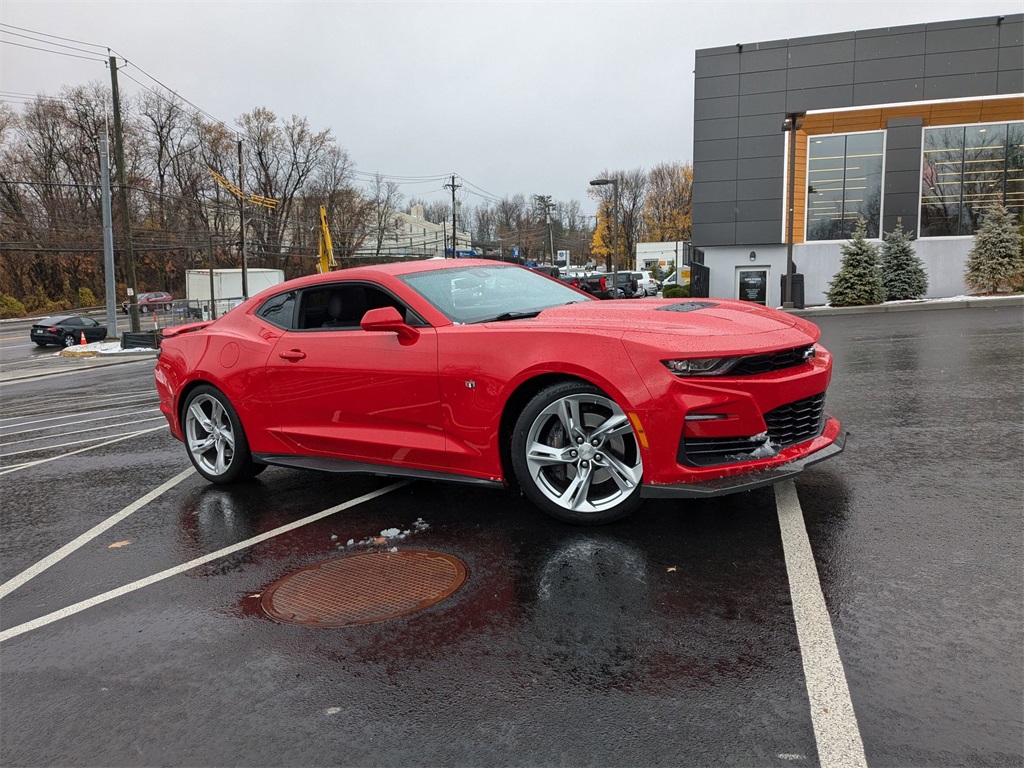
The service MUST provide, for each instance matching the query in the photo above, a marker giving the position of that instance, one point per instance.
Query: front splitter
(746, 482)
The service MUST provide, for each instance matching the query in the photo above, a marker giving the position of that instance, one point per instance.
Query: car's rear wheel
(575, 455)
(69, 340)
(143, 309)
(214, 438)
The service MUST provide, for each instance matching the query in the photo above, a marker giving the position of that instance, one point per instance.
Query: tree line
(51, 239)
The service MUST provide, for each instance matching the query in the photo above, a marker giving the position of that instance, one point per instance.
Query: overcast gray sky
(515, 97)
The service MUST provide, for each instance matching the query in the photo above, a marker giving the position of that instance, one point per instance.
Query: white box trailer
(227, 287)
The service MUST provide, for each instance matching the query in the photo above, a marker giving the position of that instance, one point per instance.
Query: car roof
(397, 269)
(56, 319)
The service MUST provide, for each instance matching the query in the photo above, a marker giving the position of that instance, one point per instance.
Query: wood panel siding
(874, 119)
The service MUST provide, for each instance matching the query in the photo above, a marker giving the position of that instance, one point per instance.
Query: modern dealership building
(922, 125)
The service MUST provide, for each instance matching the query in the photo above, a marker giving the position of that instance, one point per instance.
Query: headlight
(700, 366)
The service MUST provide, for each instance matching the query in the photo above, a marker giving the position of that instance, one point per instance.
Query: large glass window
(844, 183)
(966, 170)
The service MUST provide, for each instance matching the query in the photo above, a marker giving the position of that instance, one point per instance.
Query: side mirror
(389, 320)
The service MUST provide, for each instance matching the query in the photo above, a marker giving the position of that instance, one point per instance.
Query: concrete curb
(960, 302)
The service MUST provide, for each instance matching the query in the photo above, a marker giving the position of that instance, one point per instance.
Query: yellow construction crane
(327, 262)
(264, 202)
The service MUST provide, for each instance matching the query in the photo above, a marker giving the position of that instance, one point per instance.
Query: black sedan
(67, 330)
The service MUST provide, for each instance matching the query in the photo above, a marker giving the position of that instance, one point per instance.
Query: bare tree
(281, 158)
(385, 198)
(632, 195)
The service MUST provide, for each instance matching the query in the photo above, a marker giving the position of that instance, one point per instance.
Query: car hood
(701, 317)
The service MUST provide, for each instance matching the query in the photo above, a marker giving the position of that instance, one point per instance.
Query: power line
(56, 37)
(45, 50)
(47, 42)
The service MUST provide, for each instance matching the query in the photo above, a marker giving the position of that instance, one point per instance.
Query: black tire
(69, 340)
(575, 455)
(214, 438)
(143, 309)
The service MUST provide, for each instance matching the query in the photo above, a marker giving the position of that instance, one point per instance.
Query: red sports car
(488, 373)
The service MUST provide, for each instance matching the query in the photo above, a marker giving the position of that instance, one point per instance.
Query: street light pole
(791, 124)
(615, 212)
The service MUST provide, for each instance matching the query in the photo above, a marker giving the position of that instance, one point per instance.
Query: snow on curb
(101, 349)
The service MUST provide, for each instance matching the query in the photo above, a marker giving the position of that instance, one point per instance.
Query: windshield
(479, 294)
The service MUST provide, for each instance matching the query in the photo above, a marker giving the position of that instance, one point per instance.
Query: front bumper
(744, 482)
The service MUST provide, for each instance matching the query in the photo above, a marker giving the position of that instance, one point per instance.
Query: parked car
(599, 285)
(150, 302)
(67, 330)
(648, 282)
(379, 369)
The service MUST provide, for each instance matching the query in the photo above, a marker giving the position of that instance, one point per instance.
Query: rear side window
(279, 310)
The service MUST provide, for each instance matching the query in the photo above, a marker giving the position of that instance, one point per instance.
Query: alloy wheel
(209, 435)
(582, 454)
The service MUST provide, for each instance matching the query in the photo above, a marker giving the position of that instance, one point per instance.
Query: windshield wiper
(513, 316)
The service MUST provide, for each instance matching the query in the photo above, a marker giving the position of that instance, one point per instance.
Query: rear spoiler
(177, 330)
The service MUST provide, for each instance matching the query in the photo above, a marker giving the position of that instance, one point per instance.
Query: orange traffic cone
(82, 340)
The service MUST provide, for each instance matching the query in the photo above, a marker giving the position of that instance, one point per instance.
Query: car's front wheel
(214, 438)
(576, 456)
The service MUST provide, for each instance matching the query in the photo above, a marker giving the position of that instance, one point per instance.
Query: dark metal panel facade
(947, 60)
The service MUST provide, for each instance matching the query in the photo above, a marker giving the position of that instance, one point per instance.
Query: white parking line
(66, 444)
(835, 723)
(27, 464)
(109, 415)
(108, 427)
(78, 607)
(30, 573)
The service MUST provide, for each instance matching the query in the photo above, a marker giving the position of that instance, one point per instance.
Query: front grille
(787, 425)
(772, 361)
(796, 422)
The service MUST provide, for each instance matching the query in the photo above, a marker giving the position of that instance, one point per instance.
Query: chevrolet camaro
(488, 373)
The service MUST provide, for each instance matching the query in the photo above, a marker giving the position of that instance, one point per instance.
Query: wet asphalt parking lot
(685, 635)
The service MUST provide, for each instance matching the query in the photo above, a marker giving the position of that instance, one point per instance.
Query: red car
(488, 373)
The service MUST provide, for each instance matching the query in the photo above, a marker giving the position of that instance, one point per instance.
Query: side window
(73, 321)
(279, 310)
(341, 306)
(88, 322)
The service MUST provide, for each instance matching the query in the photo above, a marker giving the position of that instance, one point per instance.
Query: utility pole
(126, 224)
(108, 234)
(241, 222)
(551, 234)
(213, 299)
(453, 186)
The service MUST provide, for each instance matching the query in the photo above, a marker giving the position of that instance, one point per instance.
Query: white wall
(944, 261)
(670, 251)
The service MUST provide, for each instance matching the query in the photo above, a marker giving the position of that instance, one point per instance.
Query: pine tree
(858, 280)
(903, 275)
(996, 260)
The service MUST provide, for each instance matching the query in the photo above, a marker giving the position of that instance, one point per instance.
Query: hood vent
(688, 306)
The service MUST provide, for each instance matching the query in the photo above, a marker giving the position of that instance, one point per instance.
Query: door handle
(293, 354)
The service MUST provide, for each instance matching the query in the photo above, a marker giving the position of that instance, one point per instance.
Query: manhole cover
(363, 588)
